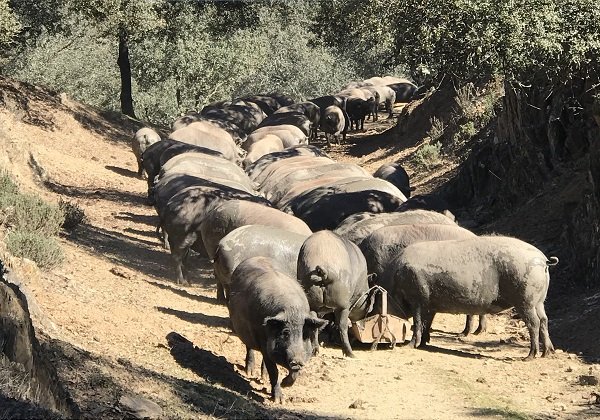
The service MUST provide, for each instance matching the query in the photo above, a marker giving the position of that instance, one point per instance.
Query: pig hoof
(350, 355)
(277, 396)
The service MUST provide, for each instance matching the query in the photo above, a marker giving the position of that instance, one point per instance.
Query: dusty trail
(112, 305)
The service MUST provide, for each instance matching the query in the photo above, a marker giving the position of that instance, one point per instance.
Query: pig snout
(296, 364)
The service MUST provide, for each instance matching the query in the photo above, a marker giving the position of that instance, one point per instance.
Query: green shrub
(428, 155)
(468, 130)
(28, 212)
(74, 215)
(43, 249)
(7, 185)
(437, 129)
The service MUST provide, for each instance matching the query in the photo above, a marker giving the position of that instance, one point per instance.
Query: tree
(9, 24)
(125, 20)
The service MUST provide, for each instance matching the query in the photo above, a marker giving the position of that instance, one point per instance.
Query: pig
(236, 213)
(333, 273)
(358, 226)
(481, 275)
(396, 174)
(248, 241)
(295, 151)
(334, 121)
(383, 245)
(142, 139)
(268, 144)
(270, 313)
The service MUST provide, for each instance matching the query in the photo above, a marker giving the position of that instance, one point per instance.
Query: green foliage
(428, 155)
(467, 130)
(7, 185)
(44, 250)
(9, 24)
(81, 63)
(527, 40)
(32, 213)
(74, 214)
(437, 129)
(33, 225)
(183, 54)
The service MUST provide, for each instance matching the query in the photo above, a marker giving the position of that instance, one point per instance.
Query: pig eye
(285, 333)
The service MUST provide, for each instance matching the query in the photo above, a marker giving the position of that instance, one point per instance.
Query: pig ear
(320, 272)
(274, 321)
(316, 323)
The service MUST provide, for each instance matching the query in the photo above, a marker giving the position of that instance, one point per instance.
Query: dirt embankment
(115, 325)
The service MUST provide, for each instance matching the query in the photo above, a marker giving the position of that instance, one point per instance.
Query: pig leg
(290, 379)
(427, 321)
(140, 168)
(468, 326)
(220, 294)
(482, 325)
(178, 254)
(264, 374)
(314, 338)
(548, 346)
(276, 393)
(418, 328)
(341, 319)
(532, 321)
(250, 361)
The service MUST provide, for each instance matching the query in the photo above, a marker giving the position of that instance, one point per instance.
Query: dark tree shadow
(198, 318)
(98, 193)
(150, 220)
(452, 352)
(140, 255)
(97, 393)
(122, 171)
(209, 366)
(146, 233)
(184, 293)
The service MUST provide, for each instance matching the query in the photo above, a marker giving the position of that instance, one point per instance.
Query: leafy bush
(9, 24)
(44, 250)
(428, 155)
(33, 214)
(7, 185)
(529, 40)
(33, 224)
(74, 215)
(437, 129)
(468, 129)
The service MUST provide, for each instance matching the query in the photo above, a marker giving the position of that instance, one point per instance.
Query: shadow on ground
(197, 318)
(110, 194)
(122, 171)
(137, 254)
(97, 383)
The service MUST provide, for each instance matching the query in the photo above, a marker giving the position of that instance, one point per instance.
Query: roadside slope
(118, 325)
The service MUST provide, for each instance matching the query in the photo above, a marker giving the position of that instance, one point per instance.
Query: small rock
(119, 272)
(480, 380)
(569, 369)
(141, 408)
(591, 380)
(544, 373)
(358, 404)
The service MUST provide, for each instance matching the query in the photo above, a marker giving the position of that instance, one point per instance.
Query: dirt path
(121, 326)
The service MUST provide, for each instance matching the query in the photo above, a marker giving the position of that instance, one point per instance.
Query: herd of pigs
(295, 236)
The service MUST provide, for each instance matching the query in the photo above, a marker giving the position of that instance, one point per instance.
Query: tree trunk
(125, 72)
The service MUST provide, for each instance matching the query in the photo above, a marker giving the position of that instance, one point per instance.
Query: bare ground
(115, 323)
